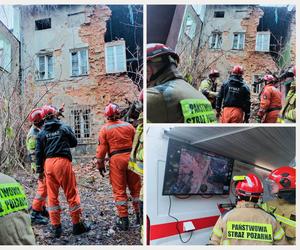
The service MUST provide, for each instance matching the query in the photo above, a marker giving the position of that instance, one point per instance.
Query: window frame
(239, 40)
(262, 33)
(220, 38)
(78, 51)
(221, 11)
(81, 111)
(190, 30)
(258, 86)
(39, 20)
(114, 44)
(46, 62)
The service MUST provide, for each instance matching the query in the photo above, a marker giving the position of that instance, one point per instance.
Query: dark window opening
(219, 14)
(43, 24)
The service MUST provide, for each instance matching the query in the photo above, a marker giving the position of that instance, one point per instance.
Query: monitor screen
(191, 171)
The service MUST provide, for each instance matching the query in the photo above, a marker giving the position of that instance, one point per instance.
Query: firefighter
(54, 162)
(115, 139)
(136, 162)
(234, 98)
(282, 186)
(15, 226)
(288, 112)
(39, 201)
(170, 99)
(247, 224)
(211, 86)
(270, 101)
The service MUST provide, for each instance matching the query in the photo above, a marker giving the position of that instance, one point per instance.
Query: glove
(100, 166)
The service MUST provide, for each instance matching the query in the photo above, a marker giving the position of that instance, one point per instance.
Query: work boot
(80, 228)
(123, 223)
(45, 212)
(37, 218)
(57, 230)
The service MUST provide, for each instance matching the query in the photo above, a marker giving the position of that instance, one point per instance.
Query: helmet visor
(271, 187)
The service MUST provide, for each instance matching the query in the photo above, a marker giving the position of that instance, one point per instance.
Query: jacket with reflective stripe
(15, 224)
(247, 225)
(113, 136)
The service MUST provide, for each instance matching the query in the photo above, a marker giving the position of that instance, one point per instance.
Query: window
(115, 57)
(219, 14)
(81, 122)
(259, 85)
(238, 41)
(43, 24)
(5, 54)
(263, 41)
(79, 59)
(215, 40)
(45, 67)
(190, 27)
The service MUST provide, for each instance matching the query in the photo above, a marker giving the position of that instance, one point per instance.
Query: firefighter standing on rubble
(15, 226)
(288, 113)
(115, 139)
(210, 87)
(234, 98)
(281, 183)
(170, 99)
(247, 224)
(54, 162)
(136, 162)
(270, 101)
(39, 211)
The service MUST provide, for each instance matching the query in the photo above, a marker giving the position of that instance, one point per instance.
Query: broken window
(263, 41)
(190, 27)
(215, 40)
(79, 60)
(219, 14)
(43, 24)
(5, 54)
(81, 122)
(45, 67)
(238, 41)
(115, 57)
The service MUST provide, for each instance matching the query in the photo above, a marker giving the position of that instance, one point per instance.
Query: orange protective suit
(39, 200)
(59, 173)
(232, 115)
(115, 139)
(270, 104)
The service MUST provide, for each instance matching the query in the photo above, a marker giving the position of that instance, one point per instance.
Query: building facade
(65, 60)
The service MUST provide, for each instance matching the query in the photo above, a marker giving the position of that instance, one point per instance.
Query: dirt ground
(98, 209)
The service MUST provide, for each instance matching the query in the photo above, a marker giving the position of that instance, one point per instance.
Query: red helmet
(111, 110)
(158, 49)
(237, 70)
(249, 185)
(269, 78)
(284, 178)
(214, 73)
(49, 110)
(141, 96)
(36, 115)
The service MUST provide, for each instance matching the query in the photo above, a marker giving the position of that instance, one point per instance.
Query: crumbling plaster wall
(85, 29)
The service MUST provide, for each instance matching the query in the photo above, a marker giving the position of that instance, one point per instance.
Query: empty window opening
(219, 14)
(43, 24)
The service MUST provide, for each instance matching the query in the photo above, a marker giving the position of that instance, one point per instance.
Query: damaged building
(68, 57)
